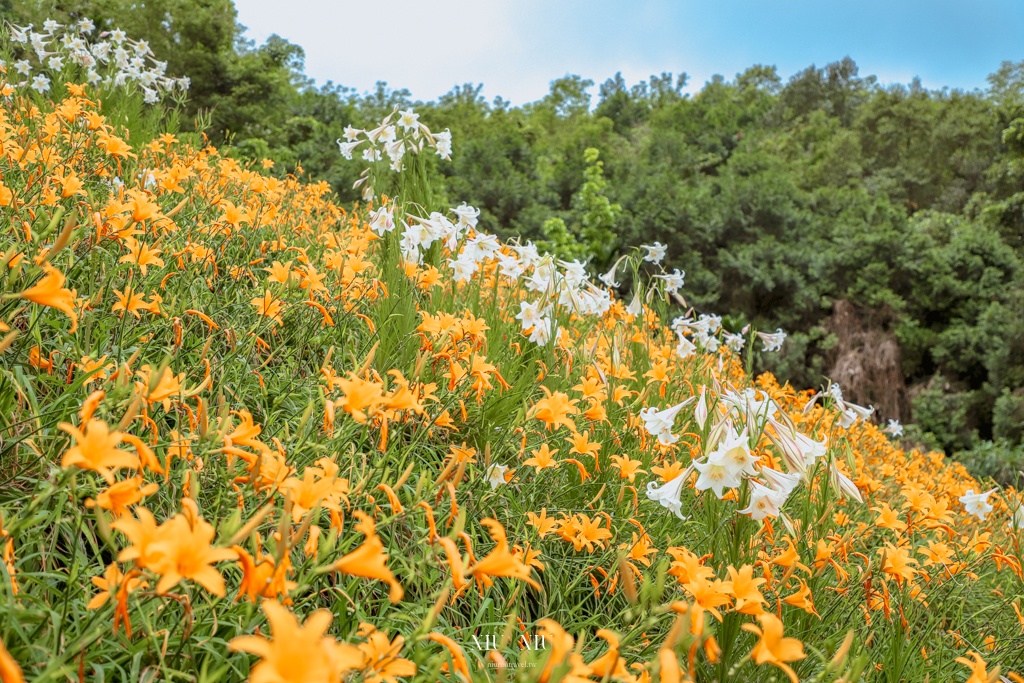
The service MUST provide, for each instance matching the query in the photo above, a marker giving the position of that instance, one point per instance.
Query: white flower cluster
(399, 133)
(112, 59)
(698, 333)
(560, 285)
(729, 463)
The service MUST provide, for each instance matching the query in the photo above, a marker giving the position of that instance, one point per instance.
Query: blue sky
(517, 47)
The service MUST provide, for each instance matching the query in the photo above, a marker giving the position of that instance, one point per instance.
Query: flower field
(247, 433)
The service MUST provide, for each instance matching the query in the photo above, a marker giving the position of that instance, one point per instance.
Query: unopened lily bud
(845, 485)
(788, 446)
(700, 413)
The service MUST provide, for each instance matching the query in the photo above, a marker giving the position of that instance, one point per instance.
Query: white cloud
(514, 47)
(428, 47)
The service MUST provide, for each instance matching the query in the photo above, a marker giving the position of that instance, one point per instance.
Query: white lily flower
(669, 494)
(977, 503)
(895, 428)
(40, 83)
(408, 119)
(735, 342)
(772, 340)
(781, 482)
(529, 314)
(541, 333)
(464, 268)
(734, 453)
(659, 422)
(443, 144)
(608, 278)
(510, 267)
(636, 306)
(382, 221)
(764, 502)
(811, 449)
(685, 348)
(395, 151)
(496, 475)
(1018, 518)
(655, 252)
(717, 476)
(467, 214)
(673, 281)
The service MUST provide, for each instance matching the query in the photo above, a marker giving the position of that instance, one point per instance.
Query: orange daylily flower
(627, 467)
(142, 532)
(168, 386)
(234, 215)
(361, 397)
(119, 497)
(297, 653)
(773, 648)
(586, 533)
(544, 524)
(979, 669)
(268, 307)
(95, 449)
(554, 409)
(582, 445)
(609, 665)
(263, 577)
(71, 185)
(369, 559)
(181, 550)
(543, 457)
(128, 300)
(896, 563)
(10, 672)
(141, 255)
(459, 662)
(638, 548)
(109, 584)
(280, 272)
(319, 485)
(500, 561)
(50, 291)
(746, 590)
(802, 598)
(381, 663)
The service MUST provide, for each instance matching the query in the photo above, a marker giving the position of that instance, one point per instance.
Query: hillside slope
(227, 404)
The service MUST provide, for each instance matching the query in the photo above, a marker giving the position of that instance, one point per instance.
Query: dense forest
(880, 225)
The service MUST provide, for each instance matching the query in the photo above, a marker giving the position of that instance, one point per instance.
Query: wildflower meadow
(250, 433)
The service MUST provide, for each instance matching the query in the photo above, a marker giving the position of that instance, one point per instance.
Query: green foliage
(592, 237)
(598, 215)
(1000, 460)
(559, 241)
